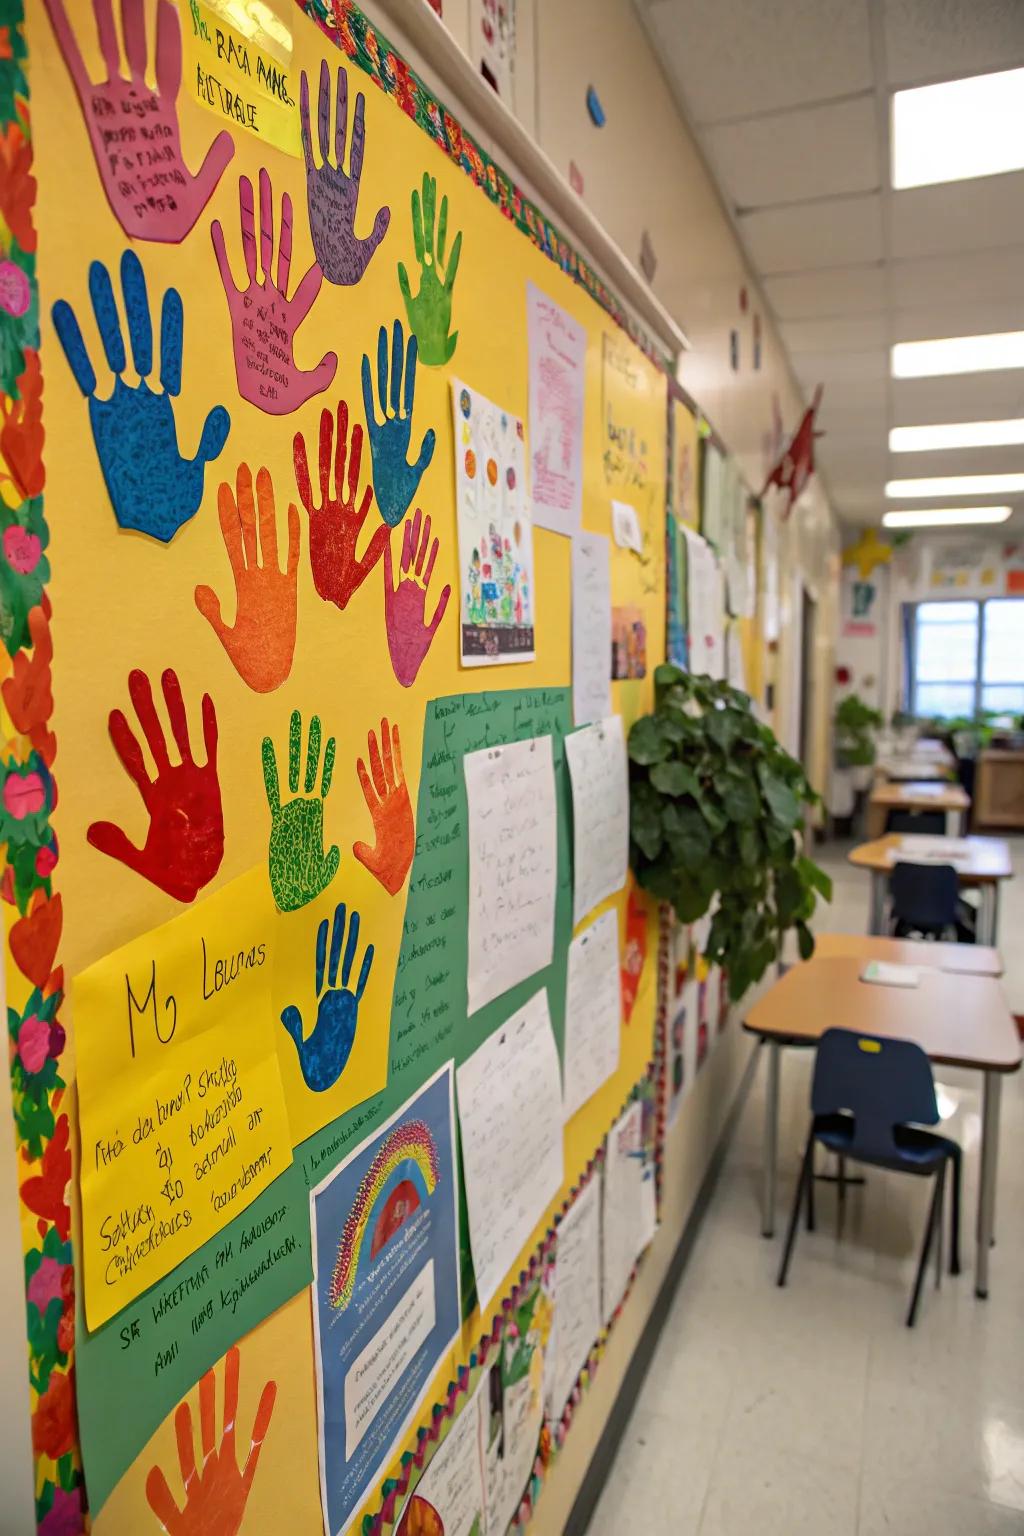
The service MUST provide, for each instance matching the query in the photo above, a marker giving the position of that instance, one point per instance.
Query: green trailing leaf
(647, 741)
(740, 799)
(674, 778)
(724, 727)
(687, 835)
(813, 875)
(805, 939)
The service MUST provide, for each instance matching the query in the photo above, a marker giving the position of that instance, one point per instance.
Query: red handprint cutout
(261, 642)
(335, 525)
(264, 319)
(409, 635)
(387, 800)
(216, 1492)
(185, 841)
(153, 197)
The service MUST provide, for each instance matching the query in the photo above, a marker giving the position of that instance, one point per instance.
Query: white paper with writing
(510, 1114)
(626, 1214)
(513, 865)
(593, 1011)
(577, 1287)
(600, 808)
(591, 629)
(453, 1484)
(558, 351)
(705, 607)
(626, 527)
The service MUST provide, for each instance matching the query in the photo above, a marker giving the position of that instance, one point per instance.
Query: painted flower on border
(53, 1423)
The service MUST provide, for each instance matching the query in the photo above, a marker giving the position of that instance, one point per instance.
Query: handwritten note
(510, 1114)
(577, 1288)
(182, 1112)
(627, 1214)
(600, 803)
(593, 1009)
(513, 865)
(591, 629)
(705, 604)
(247, 77)
(558, 350)
(452, 1487)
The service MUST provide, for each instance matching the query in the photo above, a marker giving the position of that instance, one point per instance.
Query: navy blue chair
(926, 823)
(870, 1102)
(924, 900)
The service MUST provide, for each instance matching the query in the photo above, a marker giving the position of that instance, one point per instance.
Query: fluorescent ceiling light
(958, 130)
(956, 485)
(958, 354)
(957, 434)
(944, 517)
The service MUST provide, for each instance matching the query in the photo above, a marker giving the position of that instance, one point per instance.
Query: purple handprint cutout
(134, 129)
(263, 319)
(331, 195)
(409, 633)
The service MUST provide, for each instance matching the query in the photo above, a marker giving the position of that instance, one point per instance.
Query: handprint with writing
(409, 633)
(264, 319)
(152, 488)
(185, 841)
(217, 1491)
(430, 312)
(386, 793)
(299, 868)
(261, 642)
(395, 480)
(336, 524)
(134, 129)
(330, 194)
(322, 1057)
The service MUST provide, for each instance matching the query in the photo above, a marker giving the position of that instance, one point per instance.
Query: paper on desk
(593, 1011)
(510, 1114)
(600, 801)
(577, 1289)
(887, 973)
(513, 865)
(934, 847)
(627, 1224)
(591, 629)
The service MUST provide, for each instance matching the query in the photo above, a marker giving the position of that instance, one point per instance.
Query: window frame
(911, 682)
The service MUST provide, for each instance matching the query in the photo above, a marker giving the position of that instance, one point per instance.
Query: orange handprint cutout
(216, 1492)
(261, 642)
(387, 800)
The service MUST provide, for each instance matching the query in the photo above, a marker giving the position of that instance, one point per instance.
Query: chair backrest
(928, 823)
(925, 895)
(882, 1083)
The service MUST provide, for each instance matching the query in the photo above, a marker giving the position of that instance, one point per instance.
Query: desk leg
(771, 1137)
(953, 819)
(877, 913)
(987, 1182)
(988, 914)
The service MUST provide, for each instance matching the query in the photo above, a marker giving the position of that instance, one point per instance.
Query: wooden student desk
(917, 795)
(986, 862)
(958, 1019)
(969, 959)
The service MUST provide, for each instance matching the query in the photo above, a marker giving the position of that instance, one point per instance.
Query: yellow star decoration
(868, 552)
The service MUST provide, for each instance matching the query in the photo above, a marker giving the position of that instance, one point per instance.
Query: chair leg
(954, 1241)
(939, 1218)
(810, 1194)
(841, 1193)
(929, 1235)
(806, 1173)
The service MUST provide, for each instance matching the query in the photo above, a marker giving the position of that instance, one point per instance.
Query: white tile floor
(813, 1410)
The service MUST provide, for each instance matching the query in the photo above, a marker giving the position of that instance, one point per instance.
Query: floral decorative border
(28, 795)
(347, 27)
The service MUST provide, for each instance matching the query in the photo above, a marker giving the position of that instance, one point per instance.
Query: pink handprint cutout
(134, 129)
(263, 318)
(409, 634)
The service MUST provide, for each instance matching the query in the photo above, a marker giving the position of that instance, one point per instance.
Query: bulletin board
(244, 646)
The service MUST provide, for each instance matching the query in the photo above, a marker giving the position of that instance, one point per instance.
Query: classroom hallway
(813, 1410)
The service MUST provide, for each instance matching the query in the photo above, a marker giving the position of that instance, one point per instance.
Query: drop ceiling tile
(834, 291)
(792, 156)
(963, 397)
(990, 275)
(864, 334)
(958, 216)
(868, 368)
(928, 39)
(956, 318)
(956, 461)
(736, 58)
(848, 396)
(837, 232)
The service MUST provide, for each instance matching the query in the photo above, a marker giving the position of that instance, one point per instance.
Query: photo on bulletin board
(629, 643)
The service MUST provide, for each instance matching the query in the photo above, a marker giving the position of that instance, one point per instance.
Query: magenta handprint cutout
(330, 194)
(263, 318)
(134, 129)
(409, 634)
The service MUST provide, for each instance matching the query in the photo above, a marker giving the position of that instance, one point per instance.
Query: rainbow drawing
(411, 1142)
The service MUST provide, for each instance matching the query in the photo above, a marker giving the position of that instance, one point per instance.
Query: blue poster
(385, 1291)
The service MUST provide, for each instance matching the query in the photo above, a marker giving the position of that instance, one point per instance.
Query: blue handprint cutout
(394, 478)
(152, 488)
(322, 1057)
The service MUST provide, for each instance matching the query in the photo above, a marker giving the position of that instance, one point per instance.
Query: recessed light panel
(957, 434)
(944, 517)
(955, 485)
(958, 130)
(958, 354)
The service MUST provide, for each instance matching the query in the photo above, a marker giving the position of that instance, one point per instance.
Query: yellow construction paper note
(182, 1111)
(242, 73)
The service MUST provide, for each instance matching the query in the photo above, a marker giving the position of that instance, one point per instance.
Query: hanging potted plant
(717, 809)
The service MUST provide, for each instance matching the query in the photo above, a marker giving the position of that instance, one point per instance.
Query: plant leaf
(805, 939)
(646, 742)
(813, 875)
(687, 835)
(675, 779)
(740, 799)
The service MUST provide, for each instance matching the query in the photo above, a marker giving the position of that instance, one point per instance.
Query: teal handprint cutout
(299, 868)
(430, 312)
(324, 1054)
(395, 480)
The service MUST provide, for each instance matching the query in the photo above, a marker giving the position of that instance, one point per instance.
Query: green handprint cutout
(299, 868)
(430, 312)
